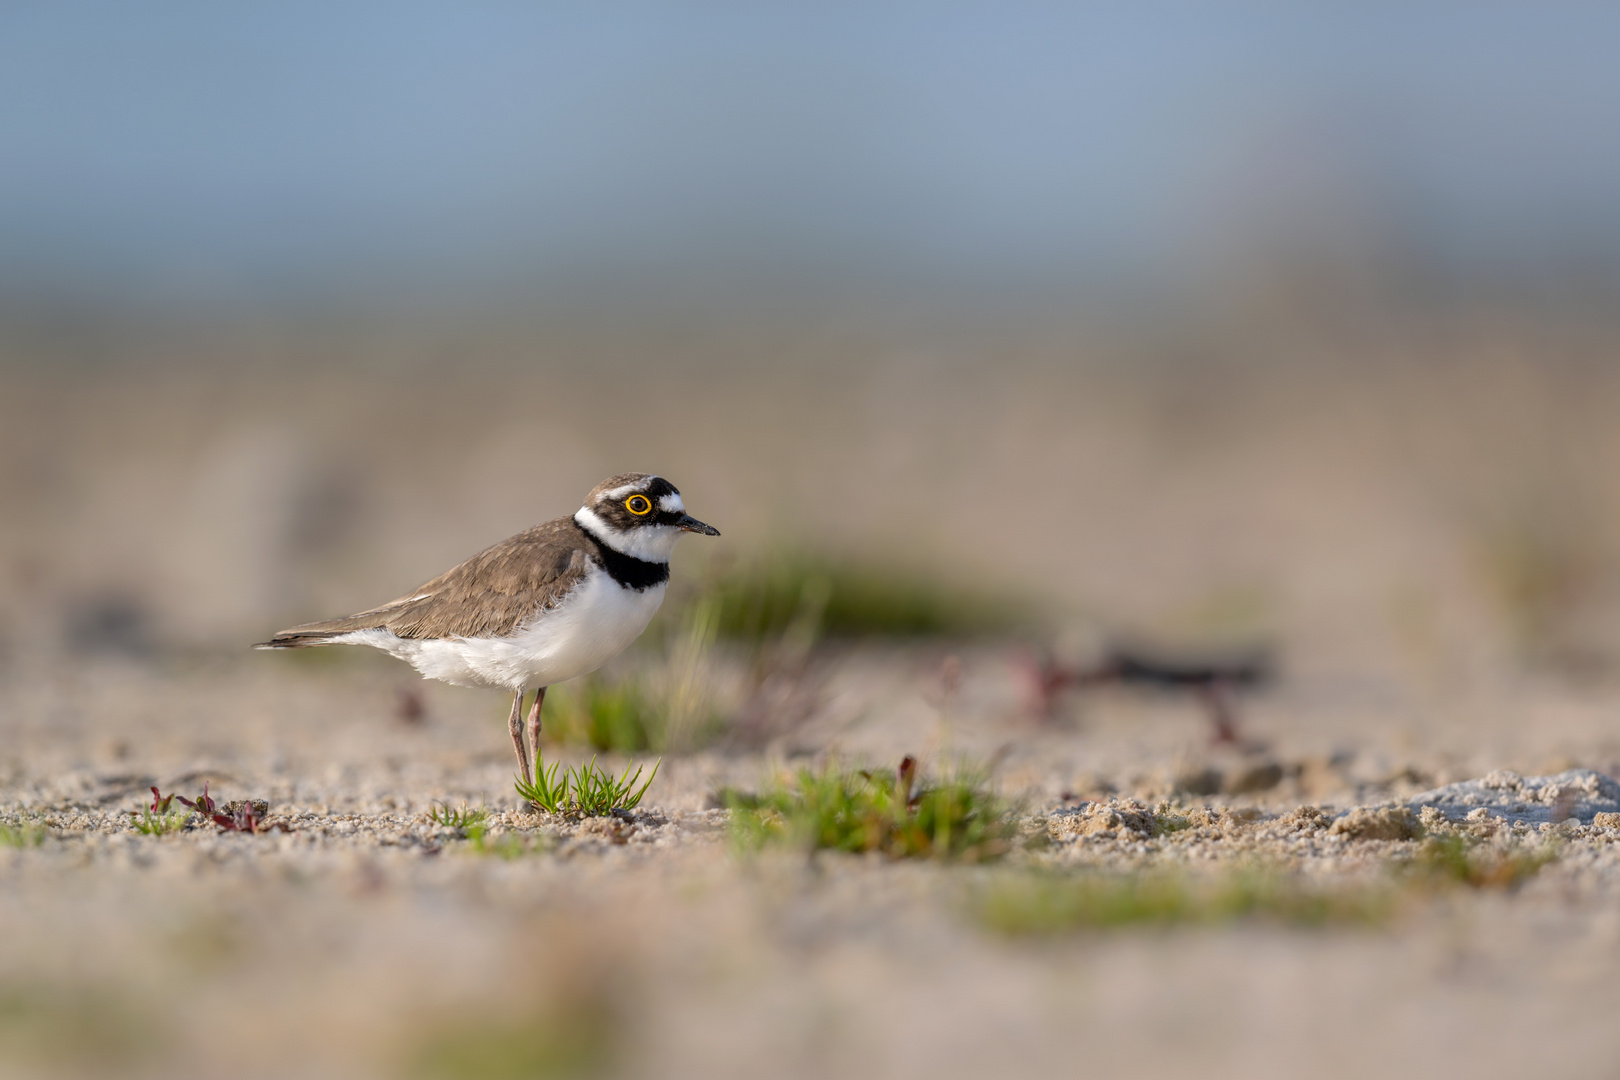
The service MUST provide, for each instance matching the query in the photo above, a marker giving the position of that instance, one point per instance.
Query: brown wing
(489, 595)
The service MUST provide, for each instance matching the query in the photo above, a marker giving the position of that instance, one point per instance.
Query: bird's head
(638, 514)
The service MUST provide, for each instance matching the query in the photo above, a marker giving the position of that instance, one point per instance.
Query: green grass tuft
(841, 809)
(1036, 904)
(586, 791)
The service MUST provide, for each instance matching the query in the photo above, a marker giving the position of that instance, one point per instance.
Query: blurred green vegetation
(1456, 859)
(801, 593)
(607, 715)
(22, 834)
(857, 810)
(1036, 904)
(1048, 903)
(506, 844)
(573, 1038)
(79, 1030)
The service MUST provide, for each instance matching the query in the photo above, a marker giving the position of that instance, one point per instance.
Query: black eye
(638, 505)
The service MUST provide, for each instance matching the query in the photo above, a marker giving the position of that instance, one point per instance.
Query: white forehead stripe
(671, 504)
(626, 489)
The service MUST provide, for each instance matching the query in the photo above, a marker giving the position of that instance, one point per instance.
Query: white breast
(595, 623)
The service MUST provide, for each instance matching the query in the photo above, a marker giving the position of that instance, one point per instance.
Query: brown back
(489, 595)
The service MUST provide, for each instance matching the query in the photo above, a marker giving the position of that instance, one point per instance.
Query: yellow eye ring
(638, 505)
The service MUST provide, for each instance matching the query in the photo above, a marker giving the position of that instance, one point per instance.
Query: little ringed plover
(549, 604)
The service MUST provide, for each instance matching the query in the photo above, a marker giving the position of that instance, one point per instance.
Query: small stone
(1378, 823)
(1307, 819)
(1117, 815)
(1431, 818)
(1203, 817)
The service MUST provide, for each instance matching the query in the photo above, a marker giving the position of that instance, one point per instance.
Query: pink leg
(534, 722)
(514, 724)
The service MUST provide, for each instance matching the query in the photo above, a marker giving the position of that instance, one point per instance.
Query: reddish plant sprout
(160, 807)
(906, 775)
(245, 815)
(203, 804)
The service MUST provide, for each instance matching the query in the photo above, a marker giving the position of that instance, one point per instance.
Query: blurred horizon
(181, 160)
(1309, 313)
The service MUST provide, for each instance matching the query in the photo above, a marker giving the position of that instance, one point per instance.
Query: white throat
(652, 543)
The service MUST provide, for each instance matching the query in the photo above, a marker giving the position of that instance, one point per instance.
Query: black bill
(692, 524)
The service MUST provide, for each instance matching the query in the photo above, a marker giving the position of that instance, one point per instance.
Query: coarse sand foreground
(368, 940)
(1358, 897)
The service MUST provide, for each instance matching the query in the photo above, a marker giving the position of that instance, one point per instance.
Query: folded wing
(489, 595)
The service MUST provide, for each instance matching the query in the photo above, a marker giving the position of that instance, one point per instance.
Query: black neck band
(627, 570)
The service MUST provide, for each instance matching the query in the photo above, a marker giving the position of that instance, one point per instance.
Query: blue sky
(207, 153)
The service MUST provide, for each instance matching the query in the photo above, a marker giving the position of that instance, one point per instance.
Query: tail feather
(308, 635)
(296, 641)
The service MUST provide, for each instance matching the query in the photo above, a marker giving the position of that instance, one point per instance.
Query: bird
(550, 604)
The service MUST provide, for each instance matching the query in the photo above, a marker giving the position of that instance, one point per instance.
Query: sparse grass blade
(148, 823)
(688, 717)
(462, 819)
(545, 791)
(632, 798)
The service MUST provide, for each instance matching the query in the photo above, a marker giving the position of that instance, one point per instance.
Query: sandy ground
(366, 936)
(1431, 549)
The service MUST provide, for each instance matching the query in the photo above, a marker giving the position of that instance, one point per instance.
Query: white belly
(592, 625)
